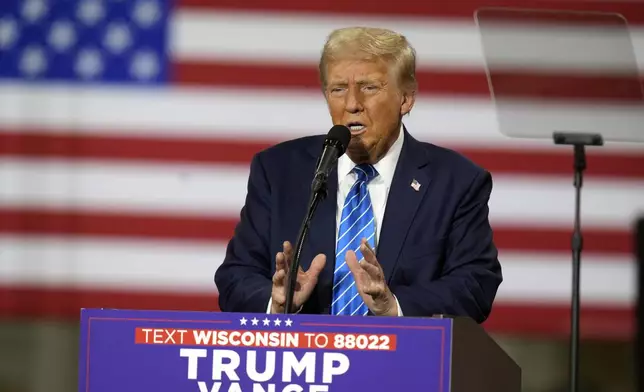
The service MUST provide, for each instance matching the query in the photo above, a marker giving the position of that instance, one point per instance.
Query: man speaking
(404, 230)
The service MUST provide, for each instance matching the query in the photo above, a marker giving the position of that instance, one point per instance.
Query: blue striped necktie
(357, 222)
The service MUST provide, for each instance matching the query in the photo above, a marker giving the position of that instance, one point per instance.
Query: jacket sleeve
(471, 272)
(244, 279)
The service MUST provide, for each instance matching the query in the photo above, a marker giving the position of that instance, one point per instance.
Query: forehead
(357, 70)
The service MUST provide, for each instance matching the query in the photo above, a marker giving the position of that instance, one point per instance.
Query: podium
(170, 351)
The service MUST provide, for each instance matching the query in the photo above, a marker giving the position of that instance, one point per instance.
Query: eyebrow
(359, 82)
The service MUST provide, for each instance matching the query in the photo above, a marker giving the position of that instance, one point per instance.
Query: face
(365, 96)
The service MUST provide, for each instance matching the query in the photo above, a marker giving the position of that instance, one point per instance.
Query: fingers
(354, 267)
(317, 265)
(367, 273)
(283, 259)
(365, 282)
(278, 295)
(279, 278)
(372, 271)
(279, 298)
(369, 261)
(288, 253)
(280, 261)
(368, 253)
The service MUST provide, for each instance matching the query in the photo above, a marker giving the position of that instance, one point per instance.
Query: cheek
(335, 110)
(385, 114)
(335, 105)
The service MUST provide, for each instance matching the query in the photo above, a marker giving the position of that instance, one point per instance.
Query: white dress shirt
(378, 189)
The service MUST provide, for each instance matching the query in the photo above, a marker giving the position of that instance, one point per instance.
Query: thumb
(317, 265)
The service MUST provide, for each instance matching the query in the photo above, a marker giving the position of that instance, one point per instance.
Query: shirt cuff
(270, 302)
(400, 313)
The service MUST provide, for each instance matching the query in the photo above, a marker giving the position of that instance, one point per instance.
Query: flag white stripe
(548, 278)
(165, 265)
(197, 190)
(224, 113)
(116, 264)
(293, 39)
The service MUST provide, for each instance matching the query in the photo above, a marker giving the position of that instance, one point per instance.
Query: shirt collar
(386, 166)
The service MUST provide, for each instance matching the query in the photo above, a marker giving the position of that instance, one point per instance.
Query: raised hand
(371, 283)
(305, 282)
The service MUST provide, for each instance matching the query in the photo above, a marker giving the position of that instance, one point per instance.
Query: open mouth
(356, 128)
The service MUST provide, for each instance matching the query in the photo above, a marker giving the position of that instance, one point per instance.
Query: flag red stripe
(433, 81)
(548, 321)
(614, 89)
(27, 221)
(597, 322)
(41, 144)
(65, 303)
(67, 145)
(632, 10)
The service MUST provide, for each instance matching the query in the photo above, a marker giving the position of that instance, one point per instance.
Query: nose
(353, 101)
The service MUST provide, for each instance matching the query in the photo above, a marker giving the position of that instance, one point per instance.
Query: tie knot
(365, 172)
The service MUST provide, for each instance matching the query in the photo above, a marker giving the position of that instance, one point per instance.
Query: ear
(407, 102)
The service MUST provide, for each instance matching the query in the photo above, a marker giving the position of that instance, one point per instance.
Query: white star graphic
(146, 12)
(62, 35)
(266, 322)
(254, 321)
(8, 32)
(144, 65)
(278, 322)
(242, 321)
(288, 322)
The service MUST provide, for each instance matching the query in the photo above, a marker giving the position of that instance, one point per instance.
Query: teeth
(356, 127)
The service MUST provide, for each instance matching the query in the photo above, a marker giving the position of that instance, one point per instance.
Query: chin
(358, 151)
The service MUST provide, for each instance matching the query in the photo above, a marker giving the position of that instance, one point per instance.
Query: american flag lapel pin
(415, 184)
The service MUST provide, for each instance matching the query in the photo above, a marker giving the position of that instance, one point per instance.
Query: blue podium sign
(134, 351)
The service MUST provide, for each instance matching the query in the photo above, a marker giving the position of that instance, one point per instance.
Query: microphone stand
(579, 141)
(318, 193)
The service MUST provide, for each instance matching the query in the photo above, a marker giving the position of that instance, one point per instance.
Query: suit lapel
(321, 236)
(402, 203)
(323, 241)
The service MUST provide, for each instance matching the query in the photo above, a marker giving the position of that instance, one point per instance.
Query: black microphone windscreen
(342, 134)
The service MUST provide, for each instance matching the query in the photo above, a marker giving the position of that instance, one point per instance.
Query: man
(407, 220)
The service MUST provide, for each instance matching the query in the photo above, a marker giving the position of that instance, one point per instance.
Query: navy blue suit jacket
(436, 244)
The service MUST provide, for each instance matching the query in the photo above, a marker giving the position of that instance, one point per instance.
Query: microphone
(335, 144)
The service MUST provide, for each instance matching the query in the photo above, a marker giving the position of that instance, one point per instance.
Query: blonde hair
(371, 44)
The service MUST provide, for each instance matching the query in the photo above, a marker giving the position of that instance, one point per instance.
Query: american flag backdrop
(127, 127)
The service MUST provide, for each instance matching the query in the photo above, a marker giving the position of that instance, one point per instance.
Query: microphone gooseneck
(335, 144)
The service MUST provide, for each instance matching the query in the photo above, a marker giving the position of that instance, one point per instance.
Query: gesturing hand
(370, 281)
(305, 282)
